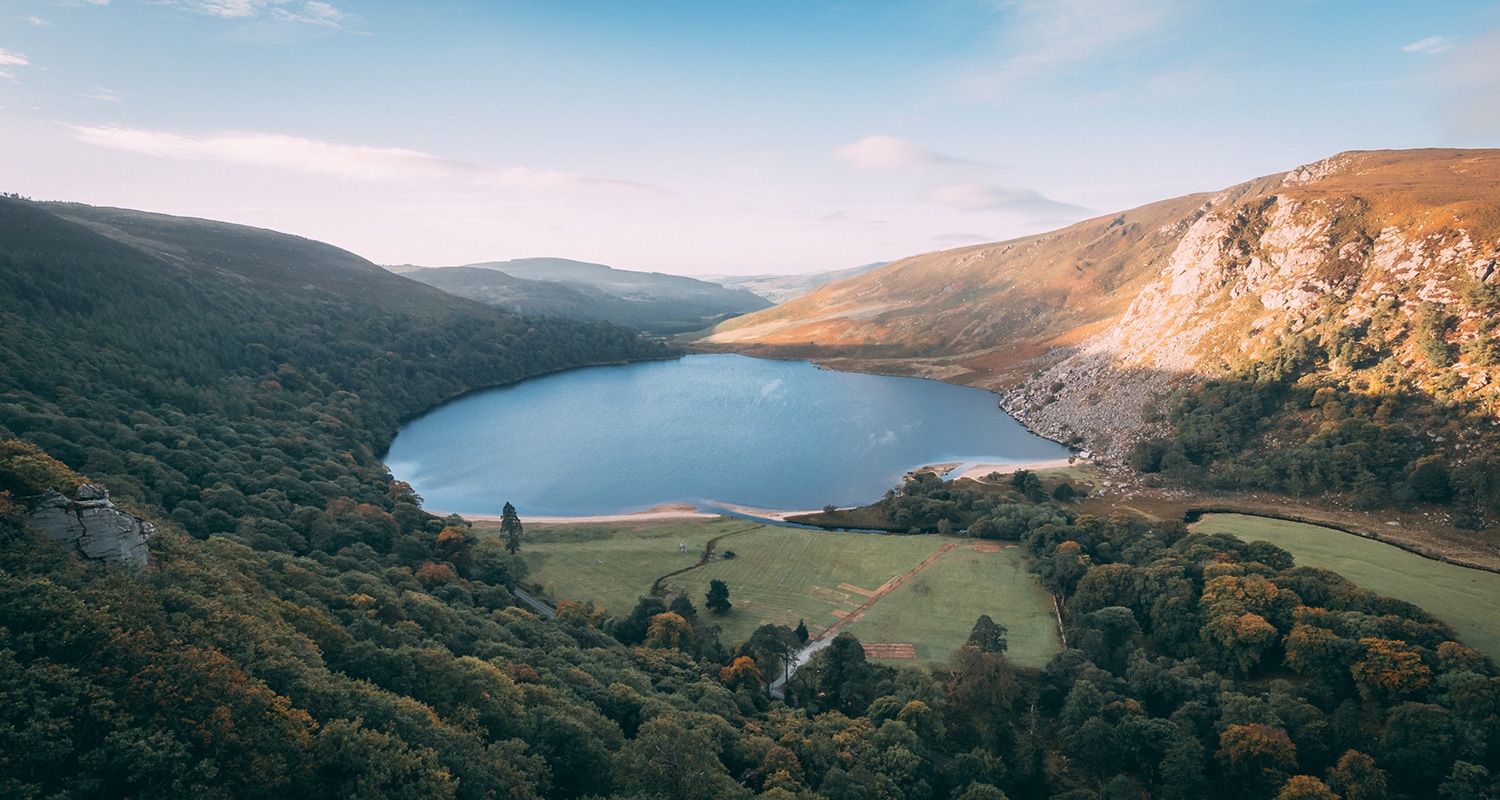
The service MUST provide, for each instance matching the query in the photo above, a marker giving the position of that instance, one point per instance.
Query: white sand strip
(979, 471)
(672, 511)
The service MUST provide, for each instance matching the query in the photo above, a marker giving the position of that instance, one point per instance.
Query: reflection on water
(705, 428)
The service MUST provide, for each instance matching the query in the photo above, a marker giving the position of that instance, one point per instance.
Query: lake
(703, 430)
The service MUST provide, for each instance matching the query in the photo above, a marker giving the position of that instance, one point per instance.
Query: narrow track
(708, 550)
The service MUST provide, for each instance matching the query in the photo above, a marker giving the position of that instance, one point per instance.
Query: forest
(1332, 410)
(304, 629)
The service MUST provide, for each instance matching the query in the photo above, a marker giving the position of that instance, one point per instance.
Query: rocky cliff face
(1395, 251)
(1333, 245)
(92, 526)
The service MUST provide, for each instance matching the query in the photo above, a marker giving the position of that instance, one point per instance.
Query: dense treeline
(1196, 666)
(1333, 408)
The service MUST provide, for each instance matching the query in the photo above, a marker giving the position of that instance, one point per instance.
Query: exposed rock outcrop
(1244, 275)
(92, 526)
(1080, 328)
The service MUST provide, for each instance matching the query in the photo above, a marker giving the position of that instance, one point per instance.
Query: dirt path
(885, 589)
(708, 550)
(777, 687)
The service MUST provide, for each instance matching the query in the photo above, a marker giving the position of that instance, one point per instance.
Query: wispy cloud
(37, 21)
(1045, 37)
(9, 59)
(985, 196)
(889, 153)
(106, 95)
(310, 12)
(1432, 44)
(352, 162)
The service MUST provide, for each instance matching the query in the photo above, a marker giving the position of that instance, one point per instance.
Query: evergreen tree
(801, 631)
(510, 526)
(717, 599)
(683, 607)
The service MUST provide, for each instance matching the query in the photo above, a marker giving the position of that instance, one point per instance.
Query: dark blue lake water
(703, 429)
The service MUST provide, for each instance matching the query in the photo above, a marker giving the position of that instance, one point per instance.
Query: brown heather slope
(1079, 328)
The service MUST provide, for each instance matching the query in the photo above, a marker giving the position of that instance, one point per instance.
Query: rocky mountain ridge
(1394, 251)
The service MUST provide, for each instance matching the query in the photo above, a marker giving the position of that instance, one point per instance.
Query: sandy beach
(669, 511)
(979, 471)
(765, 513)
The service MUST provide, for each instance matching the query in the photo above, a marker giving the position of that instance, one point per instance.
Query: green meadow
(783, 575)
(1464, 598)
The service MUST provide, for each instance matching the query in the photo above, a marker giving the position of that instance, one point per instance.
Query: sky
(712, 137)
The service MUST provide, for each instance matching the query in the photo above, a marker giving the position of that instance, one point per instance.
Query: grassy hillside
(648, 301)
(1236, 258)
(1331, 330)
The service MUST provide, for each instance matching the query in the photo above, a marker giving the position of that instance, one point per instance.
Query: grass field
(936, 609)
(785, 574)
(613, 565)
(1464, 598)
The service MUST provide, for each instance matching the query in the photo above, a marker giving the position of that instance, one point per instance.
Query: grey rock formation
(91, 526)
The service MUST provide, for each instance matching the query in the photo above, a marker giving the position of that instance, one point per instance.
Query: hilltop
(1178, 288)
(648, 301)
(1372, 275)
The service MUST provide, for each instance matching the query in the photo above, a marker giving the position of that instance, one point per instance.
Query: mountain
(649, 301)
(1080, 327)
(781, 288)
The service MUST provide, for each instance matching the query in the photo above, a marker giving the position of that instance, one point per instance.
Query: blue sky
(711, 137)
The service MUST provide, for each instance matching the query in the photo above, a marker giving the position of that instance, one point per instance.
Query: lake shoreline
(605, 441)
(768, 515)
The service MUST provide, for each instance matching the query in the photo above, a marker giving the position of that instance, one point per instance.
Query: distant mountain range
(647, 301)
(781, 288)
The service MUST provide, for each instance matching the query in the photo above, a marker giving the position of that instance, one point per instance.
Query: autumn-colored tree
(1454, 657)
(430, 574)
(1389, 670)
(456, 547)
(1243, 639)
(1257, 758)
(1357, 778)
(668, 630)
(743, 673)
(1305, 787)
(580, 614)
